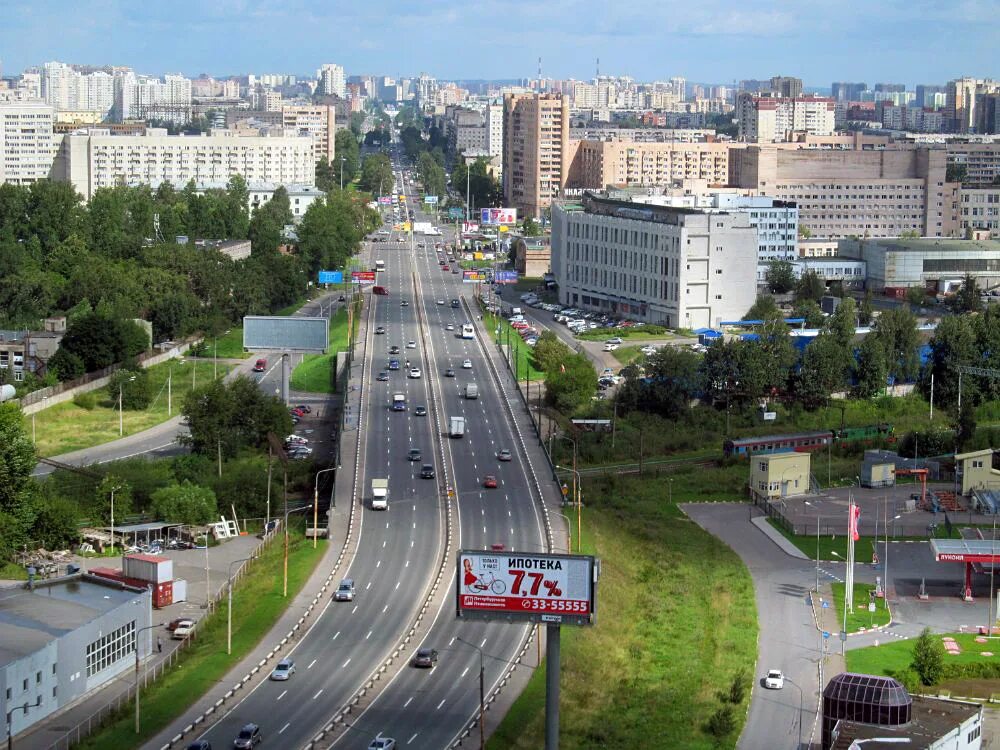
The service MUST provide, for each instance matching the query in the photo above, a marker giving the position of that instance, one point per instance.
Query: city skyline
(717, 42)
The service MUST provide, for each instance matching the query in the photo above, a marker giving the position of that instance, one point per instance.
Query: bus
(467, 331)
(379, 265)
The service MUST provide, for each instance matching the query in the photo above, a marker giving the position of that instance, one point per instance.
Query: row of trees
(484, 189)
(570, 380)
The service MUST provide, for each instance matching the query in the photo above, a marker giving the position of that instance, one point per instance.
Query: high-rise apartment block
(787, 87)
(494, 131)
(145, 98)
(967, 104)
(768, 119)
(536, 143)
(27, 145)
(316, 121)
(68, 89)
(596, 164)
(94, 159)
(848, 92)
(332, 80)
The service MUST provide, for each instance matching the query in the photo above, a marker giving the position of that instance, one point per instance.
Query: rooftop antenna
(598, 67)
(539, 69)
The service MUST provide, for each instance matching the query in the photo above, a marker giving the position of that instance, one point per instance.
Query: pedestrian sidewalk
(778, 538)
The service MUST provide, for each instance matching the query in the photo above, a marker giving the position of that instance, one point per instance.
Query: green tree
(872, 368)
(348, 155)
(916, 295)
(967, 299)
(376, 174)
(842, 324)
(928, 657)
(823, 371)
(810, 287)
(571, 385)
(17, 457)
(965, 426)
(764, 308)
(67, 365)
(132, 385)
(897, 329)
(185, 503)
(780, 276)
(953, 344)
(866, 310)
(326, 175)
(268, 222)
(673, 379)
(956, 173)
(96, 340)
(809, 309)
(235, 207)
(227, 417)
(721, 723)
(531, 228)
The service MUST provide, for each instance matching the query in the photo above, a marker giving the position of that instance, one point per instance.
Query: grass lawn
(634, 333)
(859, 617)
(527, 284)
(626, 355)
(314, 373)
(67, 427)
(13, 572)
(257, 604)
(518, 347)
(671, 632)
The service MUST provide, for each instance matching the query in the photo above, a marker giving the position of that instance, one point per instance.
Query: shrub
(928, 658)
(85, 400)
(721, 723)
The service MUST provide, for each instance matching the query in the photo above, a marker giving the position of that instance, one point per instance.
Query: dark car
(420, 411)
(200, 745)
(393, 364)
(455, 303)
(425, 657)
(248, 737)
(383, 376)
(427, 471)
(379, 331)
(449, 373)
(393, 350)
(413, 455)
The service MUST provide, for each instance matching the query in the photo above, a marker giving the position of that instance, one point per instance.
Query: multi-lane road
(400, 550)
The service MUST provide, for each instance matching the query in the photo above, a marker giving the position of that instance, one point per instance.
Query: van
(345, 591)
(516, 311)
(380, 290)
(260, 365)
(472, 390)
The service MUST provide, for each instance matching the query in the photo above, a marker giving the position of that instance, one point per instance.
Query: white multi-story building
(318, 122)
(494, 131)
(678, 267)
(769, 119)
(332, 80)
(67, 89)
(144, 98)
(27, 146)
(92, 159)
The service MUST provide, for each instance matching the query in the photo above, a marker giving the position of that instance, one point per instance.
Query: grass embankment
(257, 605)
(859, 618)
(676, 622)
(519, 350)
(633, 333)
(68, 426)
(230, 344)
(315, 373)
(626, 355)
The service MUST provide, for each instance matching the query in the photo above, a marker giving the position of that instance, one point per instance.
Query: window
(38, 678)
(110, 649)
(24, 686)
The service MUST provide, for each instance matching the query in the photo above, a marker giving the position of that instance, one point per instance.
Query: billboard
(455, 213)
(469, 227)
(364, 278)
(331, 277)
(506, 277)
(431, 199)
(533, 587)
(473, 277)
(285, 333)
(385, 200)
(498, 216)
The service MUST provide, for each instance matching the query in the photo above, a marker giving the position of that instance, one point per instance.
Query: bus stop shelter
(975, 553)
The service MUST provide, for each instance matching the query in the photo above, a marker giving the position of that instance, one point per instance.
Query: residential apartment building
(145, 98)
(768, 119)
(494, 132)
(786, 87)
(332, 80)
(466, 130)
(979, 210)
(66, 88)
(596, 164)
(92, 159)
(27, 144)
(964, 99)
(316, 121)
(863, 193)
(677, 267)
(536, 144)
(981, 161)
(848, 92)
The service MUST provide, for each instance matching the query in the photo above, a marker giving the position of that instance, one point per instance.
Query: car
(467, 364)
(200, 745)
(450, 327)
(296, 412)
(440, 301)
(454, 270)
(393, 349)
(610, 347)
(297, 448)
(296, 439)
(379, 331)
(449, 373)
(345, 591)
(382, 743)
(504, 455)
(411, 344)
(425, 657)
(383, 376)
(404, 303)
(260, 365)
(445, 267)
(455, 303)
(283, 670)
(490, 482)
(774, 680)
(304, 407)
(420, 411)
(650, 349)
(414, 373)
(413, 455)
(393, 364)
(174, 624)
(427, 471)
(248, 737)
(183, 630)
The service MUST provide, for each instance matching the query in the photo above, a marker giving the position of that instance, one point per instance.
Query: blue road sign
(826, 634)
(826, 605)
(331, 277)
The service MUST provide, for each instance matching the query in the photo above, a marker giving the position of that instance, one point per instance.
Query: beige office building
(844, 193)
(535, 154)
(94, 159)
(598, 164)
(316, 121)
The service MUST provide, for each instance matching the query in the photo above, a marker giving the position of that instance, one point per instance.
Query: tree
(67, 365)
(810, 286)
(823, 371)
(227, 417)
(376, 174)
(842, 324)
(764, 308)
(780, 277)
(956, 173)
(673, 379)
(916, 296)
(809, 309)
(872, 368)
(928, 657)
(347, 156)
(721, 723)
(953, 344)
(326, 176)
(96, 340)
(531, 228)
(571, 385)
(132, 385)
(866, 310)
(185, 503)
(17, 457)
(967, 299)
(897, 329)
(965, 426)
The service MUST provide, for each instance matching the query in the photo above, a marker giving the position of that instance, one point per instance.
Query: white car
(610, 347)
(648, 349)
(615, 340)
(449, 327)
(440, 301)
(411, 344)
(414, 372)
(774, 680)
(467, 364)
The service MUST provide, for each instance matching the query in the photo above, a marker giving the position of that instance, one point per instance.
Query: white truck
(422, 227)
(456, 427)
(471, 390)
(380, 494)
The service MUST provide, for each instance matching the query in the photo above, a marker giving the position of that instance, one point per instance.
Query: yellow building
(778, 475)
(980, 470)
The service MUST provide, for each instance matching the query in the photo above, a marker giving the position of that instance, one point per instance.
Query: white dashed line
(311, 664)
(345, 664)
(318, 694)
(284, 727)
(283, 692)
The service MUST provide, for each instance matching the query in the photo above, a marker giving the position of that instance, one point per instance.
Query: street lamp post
(482, 692)
(316, 502)
(885, 568)
(342, 160)
(817, 543)
(576, 495)
(121, 410)
(10, 711)
(229, 613)
(148, 627)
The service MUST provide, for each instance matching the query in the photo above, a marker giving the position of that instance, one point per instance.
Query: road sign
(535, 587)
(430, 200)
(871, 607)
(364, 278)
(843, 635)
(505, 277)
(455, 213)
(826, 605)
(331, 277)
(826, 634)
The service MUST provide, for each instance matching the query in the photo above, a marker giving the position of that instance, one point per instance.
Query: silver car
(283, 670)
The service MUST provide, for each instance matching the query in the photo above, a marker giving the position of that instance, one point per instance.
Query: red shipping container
(163, 594)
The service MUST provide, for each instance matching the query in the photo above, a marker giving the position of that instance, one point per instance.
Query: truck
(422, 227)
(398, 402)
(456, 427)
(380, 494)
(471, 390)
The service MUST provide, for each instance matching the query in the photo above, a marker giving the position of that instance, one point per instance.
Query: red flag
(855, 522)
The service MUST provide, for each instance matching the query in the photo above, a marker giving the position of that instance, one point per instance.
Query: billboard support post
(552, 687)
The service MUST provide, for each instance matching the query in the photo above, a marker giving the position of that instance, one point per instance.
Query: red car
(445, 267)
(490, 482)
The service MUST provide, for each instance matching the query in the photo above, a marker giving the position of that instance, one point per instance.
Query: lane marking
(440, 704)
(318, 692)
(412, 738)
(284, 727)
(283, 692)
(311, 664)
(346, 663)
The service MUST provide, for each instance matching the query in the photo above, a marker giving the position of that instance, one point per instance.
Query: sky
(709, 41)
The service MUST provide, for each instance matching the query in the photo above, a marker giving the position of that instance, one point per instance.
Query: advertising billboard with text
(469, 227)
(495, 216)
(363, 277)
(506, 277)
(473, 277)
(430, 199)
(532, 586)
